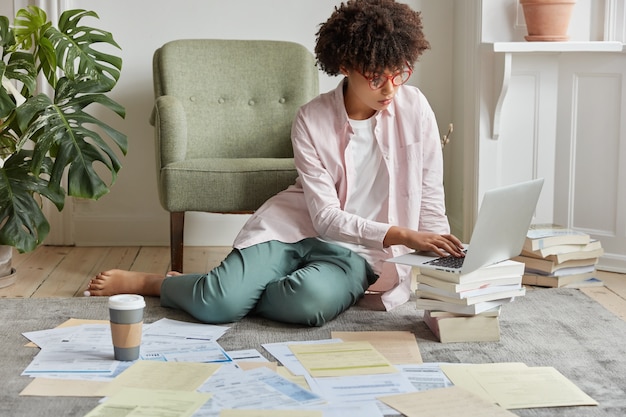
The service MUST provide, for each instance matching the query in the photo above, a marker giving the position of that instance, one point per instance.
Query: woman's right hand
(441, 244)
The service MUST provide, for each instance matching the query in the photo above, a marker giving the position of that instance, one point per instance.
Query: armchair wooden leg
(177, 226)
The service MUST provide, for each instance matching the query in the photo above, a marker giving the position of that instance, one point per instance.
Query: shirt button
(251, 102)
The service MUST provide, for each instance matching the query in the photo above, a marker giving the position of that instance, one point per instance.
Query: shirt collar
(341, 108)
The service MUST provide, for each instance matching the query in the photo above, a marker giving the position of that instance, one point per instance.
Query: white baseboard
(612, 263)
(201, 229)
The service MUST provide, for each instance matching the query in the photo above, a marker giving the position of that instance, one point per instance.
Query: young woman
(369, 187)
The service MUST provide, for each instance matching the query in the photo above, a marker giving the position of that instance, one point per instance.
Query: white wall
(561, 118)
(131, 213)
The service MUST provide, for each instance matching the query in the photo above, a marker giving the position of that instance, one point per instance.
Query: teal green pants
(308, 282)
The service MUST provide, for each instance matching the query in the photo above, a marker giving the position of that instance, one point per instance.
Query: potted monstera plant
(51, 144)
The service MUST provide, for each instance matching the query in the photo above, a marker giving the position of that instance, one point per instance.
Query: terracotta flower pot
(547, 20)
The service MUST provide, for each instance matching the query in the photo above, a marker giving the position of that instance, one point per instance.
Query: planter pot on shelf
(547, 20)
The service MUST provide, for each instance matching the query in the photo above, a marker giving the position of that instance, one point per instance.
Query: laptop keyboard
(447, 262)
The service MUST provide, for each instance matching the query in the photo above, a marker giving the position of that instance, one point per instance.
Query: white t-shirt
(368, 195)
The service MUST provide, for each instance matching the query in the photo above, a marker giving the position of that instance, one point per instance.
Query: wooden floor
(60, 271)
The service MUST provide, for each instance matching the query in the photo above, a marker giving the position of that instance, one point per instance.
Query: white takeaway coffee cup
(126, 316)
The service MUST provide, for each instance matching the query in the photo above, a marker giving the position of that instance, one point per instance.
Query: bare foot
(118, 281)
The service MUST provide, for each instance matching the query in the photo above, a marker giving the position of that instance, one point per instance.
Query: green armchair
(222, 116)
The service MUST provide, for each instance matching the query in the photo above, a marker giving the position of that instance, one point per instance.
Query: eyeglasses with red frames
(378, 81)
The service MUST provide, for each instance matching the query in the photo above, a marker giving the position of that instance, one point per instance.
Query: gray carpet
(562, 328)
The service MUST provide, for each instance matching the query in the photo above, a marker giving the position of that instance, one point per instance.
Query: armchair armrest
(170, 122)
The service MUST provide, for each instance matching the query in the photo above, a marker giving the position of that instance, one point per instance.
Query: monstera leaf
(48, 139)
(24, 224)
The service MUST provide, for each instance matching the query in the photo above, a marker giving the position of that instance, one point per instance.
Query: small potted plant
(547, 20)
(51, 77)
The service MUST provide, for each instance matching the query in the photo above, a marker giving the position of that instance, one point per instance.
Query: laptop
(499, 233)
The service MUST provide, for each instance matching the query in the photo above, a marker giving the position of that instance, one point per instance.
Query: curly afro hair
(370, 36)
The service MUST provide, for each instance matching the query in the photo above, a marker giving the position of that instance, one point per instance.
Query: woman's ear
(343, 70)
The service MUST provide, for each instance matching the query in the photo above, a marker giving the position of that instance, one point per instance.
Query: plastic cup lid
(126, 302)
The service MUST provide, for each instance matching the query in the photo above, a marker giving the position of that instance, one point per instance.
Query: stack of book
(556, 256)
(466, 307)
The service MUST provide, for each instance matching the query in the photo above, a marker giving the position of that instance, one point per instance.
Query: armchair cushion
(222, 184)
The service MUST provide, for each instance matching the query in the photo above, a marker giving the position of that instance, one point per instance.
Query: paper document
(259, 388)
(397, 346)
(164, 329)
(177, 376)
(286, 357)
(47, 387)
(360, 388)
(75, 359)
(187, 351)
(342, 359)
(444, 402)
(425, 376)
(531, 387)
(459, 374)
(515, 385)
(144, 402)
(271, 413)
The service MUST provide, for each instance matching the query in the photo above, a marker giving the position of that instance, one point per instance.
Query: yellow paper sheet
(152, 375)
(460, 376)
(399, 347)
(531, 387)
(253, 365)
(271, 413)
(46, 387)
(515, 385)
(444, 402)
(341, 359)
(145, 402)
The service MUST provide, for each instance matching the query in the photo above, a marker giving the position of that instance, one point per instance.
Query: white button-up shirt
(408, 138)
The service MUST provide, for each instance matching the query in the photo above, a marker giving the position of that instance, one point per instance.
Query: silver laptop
(499, 233)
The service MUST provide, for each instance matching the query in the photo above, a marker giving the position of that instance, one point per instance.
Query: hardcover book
(472, 309)
(452, 328)
(518, 292)
(541, 236)
(497, 270)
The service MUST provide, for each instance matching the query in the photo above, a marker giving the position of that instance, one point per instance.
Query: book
(497, 270)
(453, 328)
(425, 288)
(543, 235)
(567, 271)
(559, 258)
(547, 266)
(556, 281)
(470, 310)
(518, 292)
(561, 249)
(454, 287)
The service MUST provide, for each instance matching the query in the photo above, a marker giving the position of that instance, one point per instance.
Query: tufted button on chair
(222, 115)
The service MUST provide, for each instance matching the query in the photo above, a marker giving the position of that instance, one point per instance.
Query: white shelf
(504, 58)
(573, 46)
